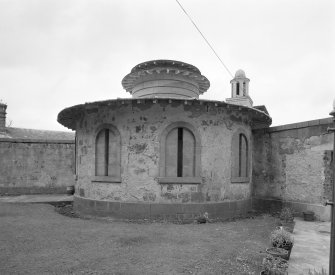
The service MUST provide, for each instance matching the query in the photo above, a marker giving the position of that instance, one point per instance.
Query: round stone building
(165, 153)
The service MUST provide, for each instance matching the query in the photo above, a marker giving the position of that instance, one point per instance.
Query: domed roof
(240, 74)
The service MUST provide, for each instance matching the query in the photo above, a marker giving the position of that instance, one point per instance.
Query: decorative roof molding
(156, 68)
(69, 116)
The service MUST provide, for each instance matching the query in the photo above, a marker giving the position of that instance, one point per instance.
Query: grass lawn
(35, 239)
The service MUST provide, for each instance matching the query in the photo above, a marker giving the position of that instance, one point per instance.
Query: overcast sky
(59, 53)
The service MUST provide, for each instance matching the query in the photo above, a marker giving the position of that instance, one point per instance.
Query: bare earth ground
(35, 239)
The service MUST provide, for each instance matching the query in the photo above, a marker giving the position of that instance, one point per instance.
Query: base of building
(162, 211)
(17, 191)
(322, 213)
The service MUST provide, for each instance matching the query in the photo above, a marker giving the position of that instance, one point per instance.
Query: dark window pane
(100, 154)
(243, 156)
(114, 158)
(188, 153)
(171, 153)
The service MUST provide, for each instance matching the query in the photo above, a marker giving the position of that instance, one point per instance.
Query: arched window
(107, 154)
(180, 154)
(240, 157)
(237, 88)
(243, 156)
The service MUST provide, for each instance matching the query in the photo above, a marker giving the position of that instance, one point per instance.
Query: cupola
(165, 79)
(240, 90)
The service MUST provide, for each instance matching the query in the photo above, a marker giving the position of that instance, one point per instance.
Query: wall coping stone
(298, 125)
(28, 140)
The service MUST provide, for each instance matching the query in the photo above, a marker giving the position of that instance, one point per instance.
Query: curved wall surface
(163, 153)
(146, 166)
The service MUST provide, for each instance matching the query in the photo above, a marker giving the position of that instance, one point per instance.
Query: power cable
(204, 38)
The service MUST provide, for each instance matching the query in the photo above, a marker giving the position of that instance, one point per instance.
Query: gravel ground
(35, 239)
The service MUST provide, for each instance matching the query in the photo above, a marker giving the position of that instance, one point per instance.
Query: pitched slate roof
(33, 134)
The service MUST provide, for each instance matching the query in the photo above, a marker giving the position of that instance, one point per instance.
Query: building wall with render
(140, 127)
(292, 165)
(30, 166)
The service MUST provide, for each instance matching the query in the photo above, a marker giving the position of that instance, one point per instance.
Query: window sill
(179, 180)
(106, 179)
(240, 180)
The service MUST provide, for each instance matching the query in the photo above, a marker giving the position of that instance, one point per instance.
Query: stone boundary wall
(322, 212)
(162, 211)
(36, 166)
(299, 125)
(293, 164)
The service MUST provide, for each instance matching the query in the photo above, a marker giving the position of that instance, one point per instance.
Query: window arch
(180, 154)
(107, 154)
(240, 157)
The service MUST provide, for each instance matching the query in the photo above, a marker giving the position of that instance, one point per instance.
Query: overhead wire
(195, 25)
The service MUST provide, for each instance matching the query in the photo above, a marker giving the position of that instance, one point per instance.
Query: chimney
(3, 108)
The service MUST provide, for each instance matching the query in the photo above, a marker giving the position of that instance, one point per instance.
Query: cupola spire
(240, 90)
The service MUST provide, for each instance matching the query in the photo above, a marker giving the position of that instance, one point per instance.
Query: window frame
(235, 157)
(163, 179)
(107, 179)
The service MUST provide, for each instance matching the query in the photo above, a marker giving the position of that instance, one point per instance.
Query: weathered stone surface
(293, 162)
(275, 205)
(35, 167)
(161, 211)
(175, 149)
(141, 126)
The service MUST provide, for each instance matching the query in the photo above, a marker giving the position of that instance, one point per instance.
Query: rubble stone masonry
(35, 166)
(141, 127)
(292, 164)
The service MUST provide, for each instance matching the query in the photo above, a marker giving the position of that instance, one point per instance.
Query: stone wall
(141, 126)
(292, 163)
(35, 166)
